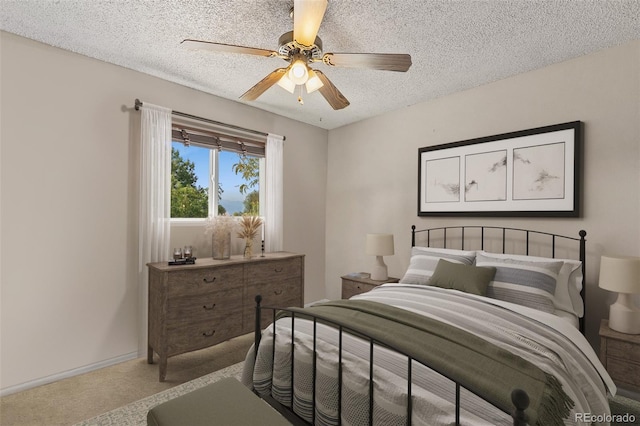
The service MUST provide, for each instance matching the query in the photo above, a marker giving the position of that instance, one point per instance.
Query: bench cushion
(225, 402)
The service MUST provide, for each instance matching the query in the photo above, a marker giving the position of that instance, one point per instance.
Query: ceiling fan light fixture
(313, 83)
(286, 83)
(301, 47)
(299, 72)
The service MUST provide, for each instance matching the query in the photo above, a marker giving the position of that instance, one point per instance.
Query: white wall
(70, 297)
(372, 174)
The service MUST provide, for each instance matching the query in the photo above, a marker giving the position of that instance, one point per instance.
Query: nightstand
(352, 285)
(620, 355)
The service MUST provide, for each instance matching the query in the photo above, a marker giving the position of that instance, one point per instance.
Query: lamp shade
(379, 244)
(620, 274)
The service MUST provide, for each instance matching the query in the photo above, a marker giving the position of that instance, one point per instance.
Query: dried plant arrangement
(249, 226)
(220, 228)
(220, 224)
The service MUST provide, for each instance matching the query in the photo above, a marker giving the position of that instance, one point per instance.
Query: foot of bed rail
(520, 400)
(258, 327)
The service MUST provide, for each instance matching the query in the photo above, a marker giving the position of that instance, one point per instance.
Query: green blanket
(476, 364)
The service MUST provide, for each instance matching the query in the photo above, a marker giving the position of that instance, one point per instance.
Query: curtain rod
(138, 104)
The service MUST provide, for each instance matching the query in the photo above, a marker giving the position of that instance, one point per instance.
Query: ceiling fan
(302, 47)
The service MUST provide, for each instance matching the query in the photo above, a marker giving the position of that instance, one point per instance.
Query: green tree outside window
(189, 200)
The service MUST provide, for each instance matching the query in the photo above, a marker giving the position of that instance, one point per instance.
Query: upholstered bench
(226, 402)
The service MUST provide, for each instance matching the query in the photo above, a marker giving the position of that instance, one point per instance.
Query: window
(207, 181)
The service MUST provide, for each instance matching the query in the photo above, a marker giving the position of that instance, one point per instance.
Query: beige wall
(372, 174)
(70, 297)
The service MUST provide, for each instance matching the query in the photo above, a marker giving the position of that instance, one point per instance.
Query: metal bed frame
(519, 397)
(527, 233)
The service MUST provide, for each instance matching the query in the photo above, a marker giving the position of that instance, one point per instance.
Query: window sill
(188, 222)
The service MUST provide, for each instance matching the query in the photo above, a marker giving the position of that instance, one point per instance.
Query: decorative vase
(248, 248)
(221, 245)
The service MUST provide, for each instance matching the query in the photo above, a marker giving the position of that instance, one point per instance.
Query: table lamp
(379, 245)
(622, 275)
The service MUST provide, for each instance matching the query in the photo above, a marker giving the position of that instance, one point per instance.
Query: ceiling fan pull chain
(300, 100)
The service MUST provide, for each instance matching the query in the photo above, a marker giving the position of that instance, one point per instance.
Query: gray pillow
(425, 259)
(467, 278)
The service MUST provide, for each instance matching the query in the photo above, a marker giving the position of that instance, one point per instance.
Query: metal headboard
(441, 235)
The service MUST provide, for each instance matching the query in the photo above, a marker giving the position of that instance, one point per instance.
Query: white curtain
(273, 240)
(155, 198)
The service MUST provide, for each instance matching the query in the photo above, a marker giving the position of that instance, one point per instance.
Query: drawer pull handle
(278, 269)
(209, 334)
(209, 307)
(277, 292)
(209, 281)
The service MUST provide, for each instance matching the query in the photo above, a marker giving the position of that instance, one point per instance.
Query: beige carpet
(82, 397)
(135, 413)
(122, 394)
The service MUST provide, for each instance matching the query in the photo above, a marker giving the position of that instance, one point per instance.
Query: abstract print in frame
(528, 173)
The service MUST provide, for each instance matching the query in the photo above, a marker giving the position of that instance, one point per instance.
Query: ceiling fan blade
(307, 17)
(226, 48)
(331, 92)
(377, 61)
(257, 90)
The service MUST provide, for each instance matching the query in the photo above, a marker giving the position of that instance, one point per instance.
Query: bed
(483, 328)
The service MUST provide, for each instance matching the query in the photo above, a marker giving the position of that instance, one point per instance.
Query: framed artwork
(533, 172)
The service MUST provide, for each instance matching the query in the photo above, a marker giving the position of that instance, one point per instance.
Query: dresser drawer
(351, 288)
(200, 281)
(281, 294)
(623, 350)
(624, 372)
(217, 305)
(273, 271)
(202, 334)
(276, 293)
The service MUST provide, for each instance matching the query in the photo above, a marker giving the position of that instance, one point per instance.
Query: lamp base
(624, 316)
(379, 271)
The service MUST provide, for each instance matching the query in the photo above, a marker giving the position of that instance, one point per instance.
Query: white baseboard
(66, 374)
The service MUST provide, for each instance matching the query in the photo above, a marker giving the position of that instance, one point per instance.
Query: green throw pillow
(467, 278)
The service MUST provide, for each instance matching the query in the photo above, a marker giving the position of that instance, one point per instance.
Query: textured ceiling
(455, 45)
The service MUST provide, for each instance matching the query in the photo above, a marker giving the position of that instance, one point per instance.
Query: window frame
(252, 148)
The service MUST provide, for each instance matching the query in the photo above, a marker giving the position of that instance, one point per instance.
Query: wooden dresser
(620, 355)
(196, 306)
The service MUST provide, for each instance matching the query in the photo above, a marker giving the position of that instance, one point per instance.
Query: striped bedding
(531, 284)
(559, 350)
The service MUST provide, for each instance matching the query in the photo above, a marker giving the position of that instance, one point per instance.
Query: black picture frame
(529, 173)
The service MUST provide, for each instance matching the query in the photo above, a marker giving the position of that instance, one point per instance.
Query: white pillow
(425, 259)
(568, 286)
